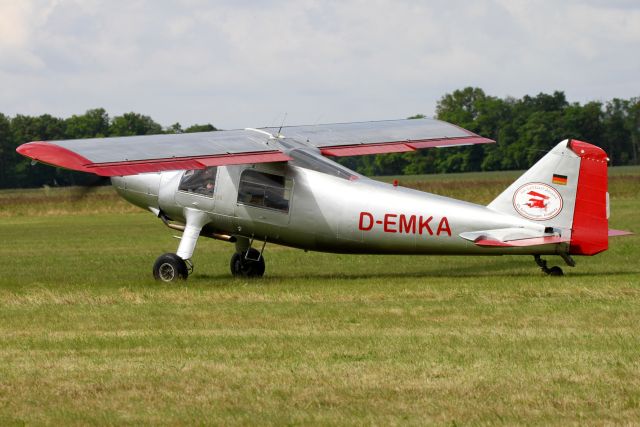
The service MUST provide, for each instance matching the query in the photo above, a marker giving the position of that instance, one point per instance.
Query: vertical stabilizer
(565, 190)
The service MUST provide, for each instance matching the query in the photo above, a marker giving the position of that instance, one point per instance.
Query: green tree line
(524, 128)
(17, 171)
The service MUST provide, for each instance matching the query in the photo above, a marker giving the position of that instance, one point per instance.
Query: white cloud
(13, 29)
(15, 34)
(237, 63)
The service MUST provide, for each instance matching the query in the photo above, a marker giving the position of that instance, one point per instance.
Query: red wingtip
(51, 154)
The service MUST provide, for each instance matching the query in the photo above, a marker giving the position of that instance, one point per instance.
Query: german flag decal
(559, 179)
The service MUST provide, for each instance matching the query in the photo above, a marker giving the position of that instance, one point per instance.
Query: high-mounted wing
(153, 153)
(389, 136)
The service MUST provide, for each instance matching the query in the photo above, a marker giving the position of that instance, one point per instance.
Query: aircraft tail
(566, 191)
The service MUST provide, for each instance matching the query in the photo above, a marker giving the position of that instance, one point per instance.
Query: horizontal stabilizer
(616, 233)
(534, 241)
(513, 237)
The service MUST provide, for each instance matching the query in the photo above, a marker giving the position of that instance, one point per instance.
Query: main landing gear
(249, 263)
(555, 270)
(173, 267)
(170, 267)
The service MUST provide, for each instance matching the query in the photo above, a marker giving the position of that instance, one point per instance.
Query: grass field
(87, 336)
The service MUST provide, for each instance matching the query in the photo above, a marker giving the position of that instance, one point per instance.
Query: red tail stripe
(590, 226)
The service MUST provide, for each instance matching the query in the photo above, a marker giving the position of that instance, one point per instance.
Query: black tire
(555, 271)
(170, 268)
(243, 267)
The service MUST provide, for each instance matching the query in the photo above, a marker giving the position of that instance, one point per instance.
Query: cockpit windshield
(317, 162)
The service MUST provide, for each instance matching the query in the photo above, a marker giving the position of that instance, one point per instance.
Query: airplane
(255, 186)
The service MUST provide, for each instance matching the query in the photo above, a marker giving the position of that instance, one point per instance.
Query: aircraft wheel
(243, 267)
(555, 271)
(170, 268)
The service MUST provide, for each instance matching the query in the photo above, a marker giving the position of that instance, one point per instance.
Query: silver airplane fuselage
(325, 213)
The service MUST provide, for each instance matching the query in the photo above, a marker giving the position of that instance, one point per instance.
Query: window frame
(261, 188)
(193, 172)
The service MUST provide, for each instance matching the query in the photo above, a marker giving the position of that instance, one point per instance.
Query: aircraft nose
(141, 190)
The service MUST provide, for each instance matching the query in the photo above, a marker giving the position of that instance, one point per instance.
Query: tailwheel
(553, 271)
(249, 263)
(170, 268)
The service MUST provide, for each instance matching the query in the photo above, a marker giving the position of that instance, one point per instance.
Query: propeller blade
(89, 187)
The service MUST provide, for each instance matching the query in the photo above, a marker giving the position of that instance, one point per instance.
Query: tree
(583, 122)
(633, 124)
(545, 102)
(42, 128)
(92, 124)
(200, 128)
(7, 153)
(130, 124)
(175, 128)
(617, 135)
(461, 107)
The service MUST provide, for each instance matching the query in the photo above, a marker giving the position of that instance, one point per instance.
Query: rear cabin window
(199, 181)
(264, 190)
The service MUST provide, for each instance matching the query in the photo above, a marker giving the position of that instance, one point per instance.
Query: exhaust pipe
(180, 227)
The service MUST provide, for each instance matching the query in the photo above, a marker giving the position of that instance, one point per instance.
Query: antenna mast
(282, 124)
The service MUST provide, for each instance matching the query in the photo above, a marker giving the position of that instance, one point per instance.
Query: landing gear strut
(173, 267)
(553, 271)
(249, 263)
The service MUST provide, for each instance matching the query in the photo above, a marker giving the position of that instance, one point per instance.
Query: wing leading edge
(153, 153)
(56, 155)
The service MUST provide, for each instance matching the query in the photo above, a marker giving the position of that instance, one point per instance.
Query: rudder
(565, 190)
(590, 231)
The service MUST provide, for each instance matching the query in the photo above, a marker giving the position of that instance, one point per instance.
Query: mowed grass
(87, 336)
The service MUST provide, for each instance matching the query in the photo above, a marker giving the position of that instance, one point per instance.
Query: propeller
(90, 185)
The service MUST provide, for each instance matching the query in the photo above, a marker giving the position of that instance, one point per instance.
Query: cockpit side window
(264, 190)
(199, 181)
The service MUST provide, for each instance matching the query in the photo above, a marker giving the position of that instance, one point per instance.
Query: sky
(248, 63)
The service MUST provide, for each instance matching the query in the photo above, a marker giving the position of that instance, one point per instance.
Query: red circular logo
(537, 201)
